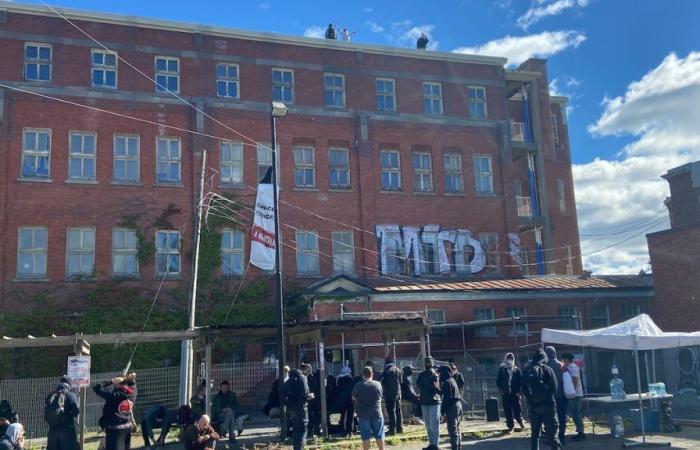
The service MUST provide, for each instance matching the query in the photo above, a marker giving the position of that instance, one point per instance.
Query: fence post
(207, 375)
(82, 348)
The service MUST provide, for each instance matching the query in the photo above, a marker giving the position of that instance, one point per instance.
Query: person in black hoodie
(540, 385)
(509, 381)
(451, 405)
(391, 384)
(61, 411)
(429, 389)
(408, 394)
(343, 399)
(118, 411)
(559, 397)
(315, 403)
(6, 412)
(297, 396)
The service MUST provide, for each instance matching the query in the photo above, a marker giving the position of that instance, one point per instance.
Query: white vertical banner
(262, 236)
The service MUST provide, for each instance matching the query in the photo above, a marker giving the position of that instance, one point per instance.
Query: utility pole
(187, 350)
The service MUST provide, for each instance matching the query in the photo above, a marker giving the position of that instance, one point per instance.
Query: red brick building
(674, 253)
(394, 162)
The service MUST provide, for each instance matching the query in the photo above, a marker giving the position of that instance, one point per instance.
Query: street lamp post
(279, 109)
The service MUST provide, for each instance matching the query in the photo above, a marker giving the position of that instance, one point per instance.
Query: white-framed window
(484, 330)
(394, 252)
(168, 160)
(561, 191)
(126, 166)
(570, 317)
(334, 90)
(80, 252)
(386, 94)
(489, 242)
(82, 152)
(430, 260)
(555, 129)
(391, 170)
(227, 82)
(167, 252)
(32, 252)
(454, 174)
(264, 154)
(167, 74)
(124, 253)
(231, 163)
(232, 252)
(477, 101)
(600, 316)
(483, 174)
(307, 253)
(422, 172)
(569, 261)
(339, 168)
(343, 252)
(104, 69)
(432, 98)
(437, 317)
(36, 153)
(630, 310)
(37, 62)
(521, 329)
(283, 85)
(304, 167)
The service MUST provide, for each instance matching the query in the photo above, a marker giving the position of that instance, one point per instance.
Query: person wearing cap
(451, 406)
(118, 411)
(391, 384)
(429, 391)
(63, 434)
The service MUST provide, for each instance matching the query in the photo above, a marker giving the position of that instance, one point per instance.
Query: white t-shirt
(575, 373)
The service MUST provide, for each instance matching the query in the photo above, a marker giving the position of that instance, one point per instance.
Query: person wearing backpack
(391, 384)
(118, 411)
(540, 385)
(430, 399)
(60, 413)
(296, 397)
(509, 381)
(561, 400)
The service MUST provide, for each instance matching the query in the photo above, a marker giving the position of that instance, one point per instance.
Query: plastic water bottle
(618, 427)
(617, 386)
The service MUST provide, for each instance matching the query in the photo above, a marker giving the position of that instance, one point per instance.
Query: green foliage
(145, 249)
(210, 242)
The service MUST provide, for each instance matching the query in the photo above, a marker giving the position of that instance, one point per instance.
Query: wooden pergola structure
(296, 333)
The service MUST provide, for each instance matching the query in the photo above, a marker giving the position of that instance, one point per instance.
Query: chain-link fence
(250, 381)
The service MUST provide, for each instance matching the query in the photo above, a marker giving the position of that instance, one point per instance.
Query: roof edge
(184, 27)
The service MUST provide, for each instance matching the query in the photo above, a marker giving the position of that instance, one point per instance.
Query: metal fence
(250, 381)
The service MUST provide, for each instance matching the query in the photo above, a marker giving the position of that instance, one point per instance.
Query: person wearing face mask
(509, 381)
(13, 439)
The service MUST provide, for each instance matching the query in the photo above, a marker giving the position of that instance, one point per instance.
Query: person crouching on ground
(118, 411)
(223, 408)
(510, 382)
(451, 405)
(368, 406)
(200, 435)
(429, 390)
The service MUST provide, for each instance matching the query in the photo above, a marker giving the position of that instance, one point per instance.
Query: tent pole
(639, 390)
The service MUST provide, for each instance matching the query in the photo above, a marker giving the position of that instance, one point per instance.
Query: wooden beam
(96, 339)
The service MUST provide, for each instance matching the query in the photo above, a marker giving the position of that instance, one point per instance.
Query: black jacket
(459, 379)
(118, 410)
(342, 394)
(449, 391)
(6, 412)
(549, 382)
(428, 387)
(5, 444)
(391, 382)
(509, 380)
(555, 364)
(296, 391)
(407, 391)
(71, 411)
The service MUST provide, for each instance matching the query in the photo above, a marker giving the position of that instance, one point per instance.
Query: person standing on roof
(330, 32)
(422, 42)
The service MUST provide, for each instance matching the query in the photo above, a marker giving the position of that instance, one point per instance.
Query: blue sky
(637, 55)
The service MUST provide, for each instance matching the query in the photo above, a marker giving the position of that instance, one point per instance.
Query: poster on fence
(79, 371)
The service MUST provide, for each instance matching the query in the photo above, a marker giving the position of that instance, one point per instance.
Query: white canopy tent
(635, 334)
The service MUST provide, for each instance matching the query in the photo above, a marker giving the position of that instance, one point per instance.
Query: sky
(631, 69)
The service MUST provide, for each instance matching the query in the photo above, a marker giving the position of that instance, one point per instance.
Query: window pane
(44, 53)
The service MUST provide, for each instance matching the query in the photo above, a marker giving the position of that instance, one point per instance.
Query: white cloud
(315, 31)
(264, 6)
(368, 10)
(545, 8)
(405, 34)
(661, 110)
(519, 48)
(554, 87)
(374, 27)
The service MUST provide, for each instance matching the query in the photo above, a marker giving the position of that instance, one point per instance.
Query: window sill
(428, 193)
(35, 180)
(30, 280)
(105, 88)
(173, 277)
(166, 93)
(168, 185)
(229, 99)
(392, 192)
(126, 183)
(433, 115)
(309, 275)
(387, 113)
(126, 277)
(72, 181)
(305, 189)
(79, 278)
(335, 108)
(347, 191)
(486, 194)
(38, 82)
(455, 194)
(236, 187)
(230, 276)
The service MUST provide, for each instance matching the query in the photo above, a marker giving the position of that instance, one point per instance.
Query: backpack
(536, 389)
(54, 411)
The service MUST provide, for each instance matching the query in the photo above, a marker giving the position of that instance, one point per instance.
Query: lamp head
(279, 109)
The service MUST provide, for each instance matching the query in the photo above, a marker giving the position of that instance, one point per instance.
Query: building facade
(394, 163)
